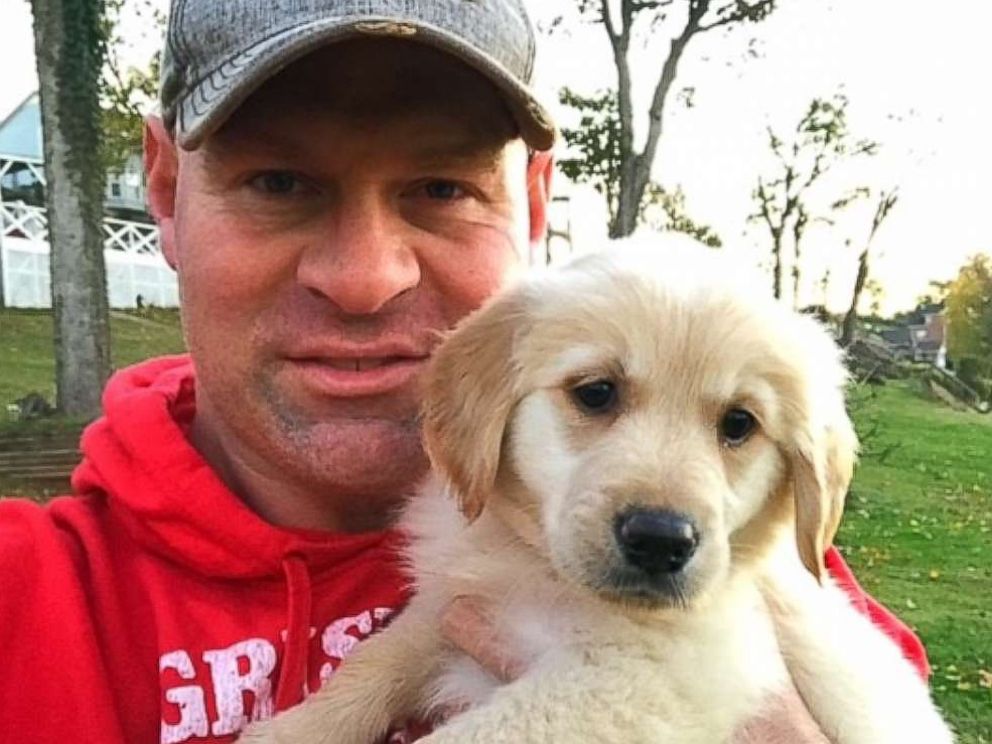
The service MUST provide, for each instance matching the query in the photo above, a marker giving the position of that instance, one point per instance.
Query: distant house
(900, 341)
(921, 336)
(20, 132)
(137, 273)
(21, 139)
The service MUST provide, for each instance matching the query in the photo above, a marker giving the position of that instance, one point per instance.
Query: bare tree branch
(886, 201)
(607, 16)
(633, 167)
(740, 11)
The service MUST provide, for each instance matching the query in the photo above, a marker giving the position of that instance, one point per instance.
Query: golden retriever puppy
(639, 465)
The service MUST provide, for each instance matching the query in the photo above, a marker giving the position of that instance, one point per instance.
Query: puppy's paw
(287, 728)
(260, 733)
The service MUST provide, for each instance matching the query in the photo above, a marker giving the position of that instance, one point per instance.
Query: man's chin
(344, 452)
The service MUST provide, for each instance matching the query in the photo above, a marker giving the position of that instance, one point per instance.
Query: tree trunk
(886, 202)
(798, 229)
(777, 269)
(795, 287)
(628, 206)
(70, 55)
(637, 166)
(851, 319)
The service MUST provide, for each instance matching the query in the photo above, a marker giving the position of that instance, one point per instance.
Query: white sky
(914, 71)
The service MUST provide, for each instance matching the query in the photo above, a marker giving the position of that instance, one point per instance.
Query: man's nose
(364, 258)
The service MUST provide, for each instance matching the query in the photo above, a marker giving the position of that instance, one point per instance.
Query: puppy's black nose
(656, 541)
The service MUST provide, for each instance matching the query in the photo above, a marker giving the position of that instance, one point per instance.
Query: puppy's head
(653, 422)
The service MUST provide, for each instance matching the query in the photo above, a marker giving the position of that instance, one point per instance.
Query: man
(335, 183)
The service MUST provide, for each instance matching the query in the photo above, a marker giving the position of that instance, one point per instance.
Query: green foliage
(26, 346)
(825, 125)
(972, 371)
(84, 40)
(596, 139)
(786, 201)
(821, 141)
(935, 296)
(604, 141)
(123, 113)
(918, 533)
(968, 305)
(735, 11)
(126, 93)
(664, 210)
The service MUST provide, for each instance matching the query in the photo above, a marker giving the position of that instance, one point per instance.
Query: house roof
(897, 336)
(20, 132)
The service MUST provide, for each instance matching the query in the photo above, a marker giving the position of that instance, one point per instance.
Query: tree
(886, 201)
(598, 138)
(127, 93)
(785, 201)
(609, 158)
(969, 313)
(664, 210)
(70, 44)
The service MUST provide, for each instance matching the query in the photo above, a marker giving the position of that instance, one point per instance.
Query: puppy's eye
(599, 396)
(736, 426)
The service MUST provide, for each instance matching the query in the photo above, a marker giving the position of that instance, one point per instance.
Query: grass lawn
(918, 527)
(918, 533)
(27, 362)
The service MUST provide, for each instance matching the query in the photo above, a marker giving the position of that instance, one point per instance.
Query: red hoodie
(155, 607)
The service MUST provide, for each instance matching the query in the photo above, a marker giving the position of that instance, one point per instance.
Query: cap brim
(216, 96)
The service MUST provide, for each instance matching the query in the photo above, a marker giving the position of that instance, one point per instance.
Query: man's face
(363, 200)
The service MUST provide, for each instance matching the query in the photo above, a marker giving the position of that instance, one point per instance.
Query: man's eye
(277, 182)
(443, 190)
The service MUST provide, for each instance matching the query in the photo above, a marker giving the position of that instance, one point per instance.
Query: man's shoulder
(34, 537)
(40, 559)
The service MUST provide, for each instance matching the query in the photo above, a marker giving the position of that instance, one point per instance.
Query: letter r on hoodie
(230, 684)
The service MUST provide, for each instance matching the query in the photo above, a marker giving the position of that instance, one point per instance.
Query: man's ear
(471, 389)
(540, 172)
(822, 468)
(161, 170)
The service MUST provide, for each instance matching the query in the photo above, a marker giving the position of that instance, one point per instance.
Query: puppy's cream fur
(521, 515)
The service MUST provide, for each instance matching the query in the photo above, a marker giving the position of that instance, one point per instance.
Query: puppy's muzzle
(659, 543)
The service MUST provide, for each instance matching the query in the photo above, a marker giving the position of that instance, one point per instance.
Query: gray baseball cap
(218, 52)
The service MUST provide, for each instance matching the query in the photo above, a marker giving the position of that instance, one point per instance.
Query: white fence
(135, 266)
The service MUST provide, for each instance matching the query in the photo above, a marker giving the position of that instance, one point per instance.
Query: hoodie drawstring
(293, 675)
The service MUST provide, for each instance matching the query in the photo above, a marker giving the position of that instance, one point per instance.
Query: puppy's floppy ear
(469, 395)
(822, 467)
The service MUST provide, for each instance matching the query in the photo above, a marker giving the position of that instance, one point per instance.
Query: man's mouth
(361, 365)
(357, 376)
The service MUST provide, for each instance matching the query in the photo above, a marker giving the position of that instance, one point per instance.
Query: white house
(136, 271)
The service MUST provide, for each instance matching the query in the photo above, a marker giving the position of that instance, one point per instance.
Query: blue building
(137, 273)
(21, 144)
